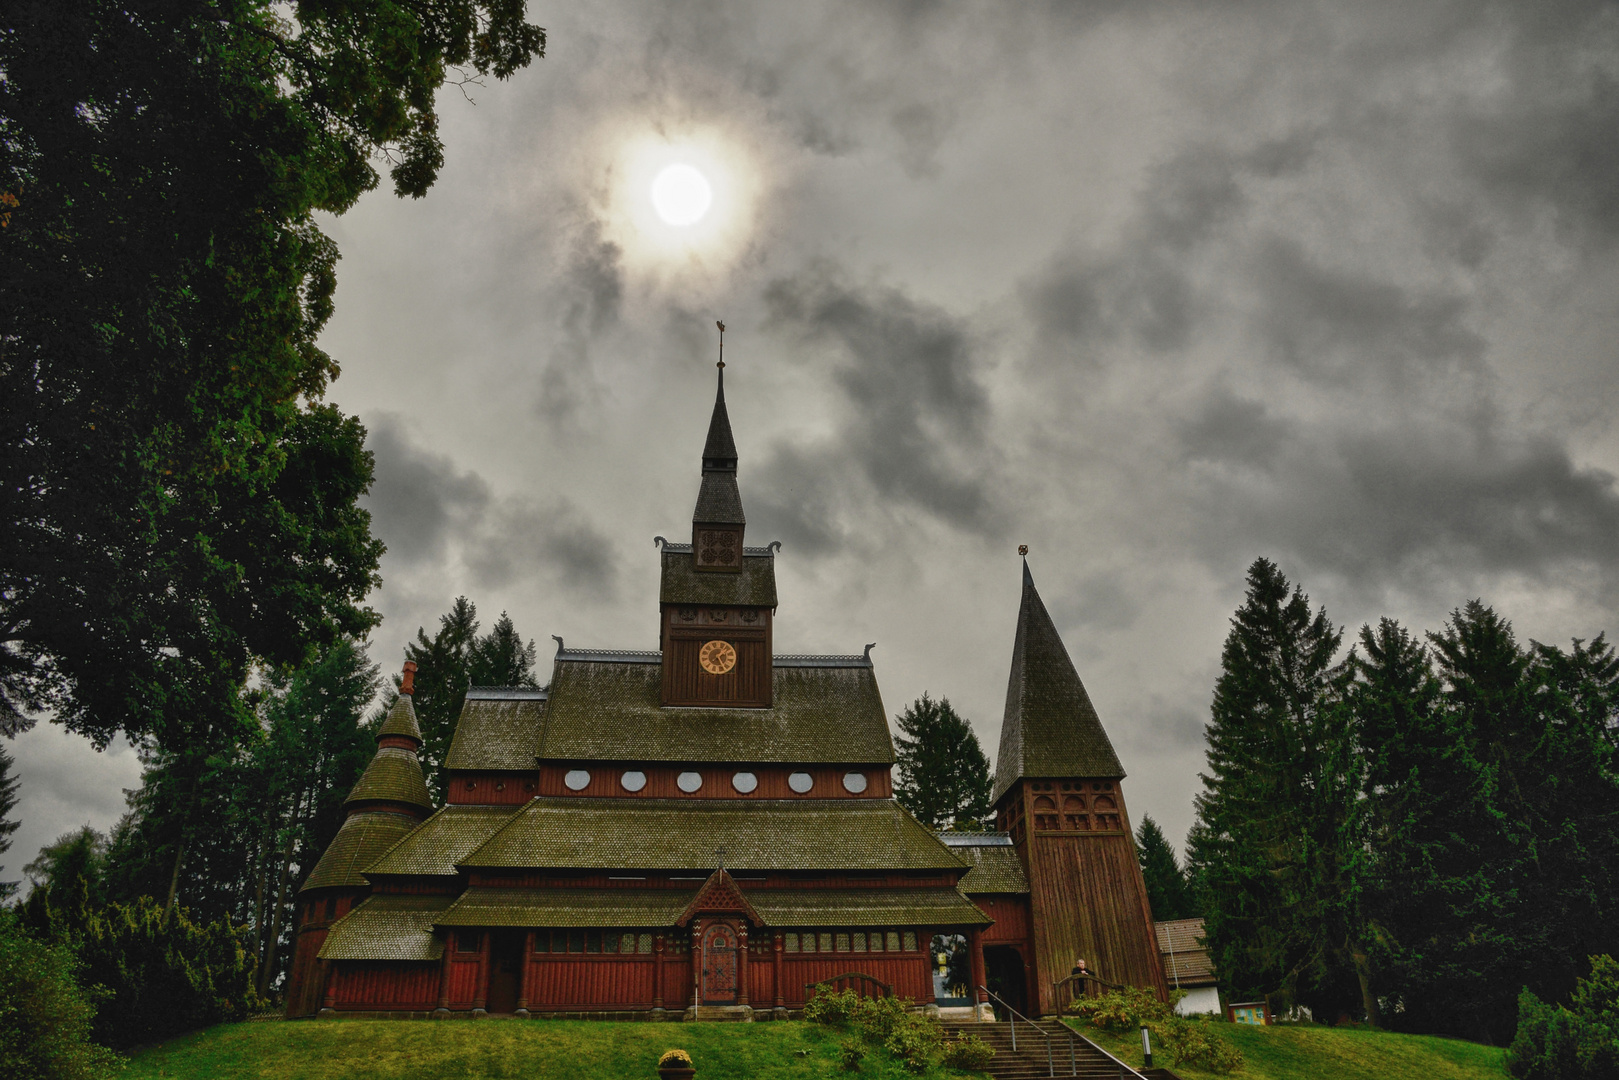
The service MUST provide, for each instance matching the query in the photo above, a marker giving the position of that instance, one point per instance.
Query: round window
(576, 779)
(800, 782)
(854, 782)
(745, 782)
(689, 781)
(633, 781)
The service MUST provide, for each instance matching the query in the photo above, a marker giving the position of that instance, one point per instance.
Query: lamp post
(1146, 1047)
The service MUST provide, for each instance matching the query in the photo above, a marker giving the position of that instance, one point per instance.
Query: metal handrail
(1013, 1016)
(1124, 1070)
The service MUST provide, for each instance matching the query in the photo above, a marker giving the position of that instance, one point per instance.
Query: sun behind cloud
(676, 198)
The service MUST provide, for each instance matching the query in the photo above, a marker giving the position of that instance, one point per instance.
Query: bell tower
(1059, 793)
(717, 597)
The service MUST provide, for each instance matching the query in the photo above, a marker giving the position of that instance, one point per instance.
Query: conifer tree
(1167, 891)
(450, 661)
(1277, 842)
(8, 803)
(944, 776)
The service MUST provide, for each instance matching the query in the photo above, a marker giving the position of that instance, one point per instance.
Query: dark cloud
(1340, 324)
(427, 512)
(419, 499)
(913, 416)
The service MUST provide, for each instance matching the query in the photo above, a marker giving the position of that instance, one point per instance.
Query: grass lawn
(1309, 1052)
(490, 1049)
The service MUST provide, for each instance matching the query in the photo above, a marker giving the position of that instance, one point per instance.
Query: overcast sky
(1154, 289)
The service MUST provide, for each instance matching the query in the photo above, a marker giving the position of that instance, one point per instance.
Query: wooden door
(505, 960)
(719, 965)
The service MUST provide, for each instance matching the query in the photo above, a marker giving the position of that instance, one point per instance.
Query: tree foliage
(8, 825)
(1579, 1041)
(453, 659)
(1276, 836)
(177, 500)
(45, 1017)
(1167, 890)
(944, 776)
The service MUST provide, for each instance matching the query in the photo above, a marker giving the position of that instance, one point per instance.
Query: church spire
(717, 523)
(1050, 728)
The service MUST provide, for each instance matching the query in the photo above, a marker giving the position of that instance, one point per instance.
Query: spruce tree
(1167, 890)
(1277, 838)
(8, 803)
(944, 776)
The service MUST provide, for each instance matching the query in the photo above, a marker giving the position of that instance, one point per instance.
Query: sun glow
(676, 199)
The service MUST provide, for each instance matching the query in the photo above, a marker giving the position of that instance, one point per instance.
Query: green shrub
(968, 1052)
(1576, 1042)
(1124, 1010)
(44, 1016)
(826, 1006)
(877, 1017)
(915, 1039)
(1196, 1042)
(161, 974)
(851, 1052)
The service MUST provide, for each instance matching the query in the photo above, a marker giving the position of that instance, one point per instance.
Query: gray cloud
(914, 411)
(419, 500)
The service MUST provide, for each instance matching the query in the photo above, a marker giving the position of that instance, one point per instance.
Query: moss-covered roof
(679, 834)
(495, 734)
(719, 500)
(609, 711)
(935, 906)
(441, 841)
(1050, 728)
(388, 928)
(401, 720)
(363, 837)
(683, 583)
(995, 870)
(484, 906)
(394, 775)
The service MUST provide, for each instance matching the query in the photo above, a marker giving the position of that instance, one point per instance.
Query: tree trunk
(174, 878)
(1363, 973)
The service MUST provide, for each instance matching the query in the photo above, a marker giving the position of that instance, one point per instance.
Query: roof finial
(407, 680)
(721, 325)
(1023, 550)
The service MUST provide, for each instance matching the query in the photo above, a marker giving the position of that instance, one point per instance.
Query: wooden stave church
(690, 833)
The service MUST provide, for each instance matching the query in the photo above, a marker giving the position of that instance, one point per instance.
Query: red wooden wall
(386, 984)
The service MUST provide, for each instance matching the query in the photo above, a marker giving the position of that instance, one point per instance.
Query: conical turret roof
(719, 501)
(401, 721)
(1050, 728)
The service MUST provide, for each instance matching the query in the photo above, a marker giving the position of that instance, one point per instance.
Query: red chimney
(407, 682)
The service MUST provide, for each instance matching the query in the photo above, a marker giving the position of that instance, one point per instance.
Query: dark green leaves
(943, 774)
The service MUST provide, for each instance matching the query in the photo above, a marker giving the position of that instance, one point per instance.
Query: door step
(743, 1013)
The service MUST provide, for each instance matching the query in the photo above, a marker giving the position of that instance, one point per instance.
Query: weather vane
(721, 325)
(1023, 550)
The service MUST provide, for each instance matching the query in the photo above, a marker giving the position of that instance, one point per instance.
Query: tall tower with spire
(1059, 794)
(717, 598)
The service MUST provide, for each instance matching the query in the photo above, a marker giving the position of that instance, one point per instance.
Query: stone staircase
(1029, 1062)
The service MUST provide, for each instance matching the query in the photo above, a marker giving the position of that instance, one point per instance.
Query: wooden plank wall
(1093, 905)
(303, 980)
(384, 984)
(908, 974)
(662, 782)
(588, 983)
(1011, 915)
(465, 970)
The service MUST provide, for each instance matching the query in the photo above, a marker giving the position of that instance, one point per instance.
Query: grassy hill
(500, 1049)
(1309, 1052)
(593, 1050)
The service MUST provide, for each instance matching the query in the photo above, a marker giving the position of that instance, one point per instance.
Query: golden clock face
(717, 657)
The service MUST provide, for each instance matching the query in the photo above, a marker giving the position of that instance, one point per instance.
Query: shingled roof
(487, 906)
(394, 776)
(718, 500)
(608, 710)
(497, 732)
(438, 843)
(1050, 727)
(401, 720)
(679, 834)
(363, 837)
(683, 583)
(387, 928)
(996, 867)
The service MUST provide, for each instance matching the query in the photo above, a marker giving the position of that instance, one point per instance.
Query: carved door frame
(720, 943)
